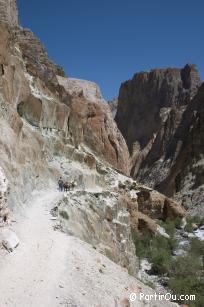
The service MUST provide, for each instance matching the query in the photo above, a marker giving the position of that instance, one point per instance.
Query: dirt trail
(31, 274)
(52, 269)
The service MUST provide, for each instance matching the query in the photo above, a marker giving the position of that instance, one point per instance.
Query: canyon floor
(50, 268)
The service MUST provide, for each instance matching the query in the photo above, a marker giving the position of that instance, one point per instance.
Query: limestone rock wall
(9, 12)
(82, 114)
(92, 123)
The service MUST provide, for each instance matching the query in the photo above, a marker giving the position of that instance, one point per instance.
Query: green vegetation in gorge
(185, 273)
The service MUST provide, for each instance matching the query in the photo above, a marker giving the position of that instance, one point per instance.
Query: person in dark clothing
(61, 184)
(66, 186)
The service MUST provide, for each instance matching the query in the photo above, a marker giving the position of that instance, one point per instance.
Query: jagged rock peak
(36, 56)
(172, 85)
(113, 104)
(9, 12)
(153, 90)
(190, 77)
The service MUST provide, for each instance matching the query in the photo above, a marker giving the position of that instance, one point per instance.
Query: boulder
(90, 161)
(9, 239)
(158, 206)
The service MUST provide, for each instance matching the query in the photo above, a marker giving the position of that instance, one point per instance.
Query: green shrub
(142, 243)
(171, 225)
(156, 249)
(64, 214)
(186, 273)
(193, 220)
(196, 247)
(187, 277)
(189, 285)
(161, 261)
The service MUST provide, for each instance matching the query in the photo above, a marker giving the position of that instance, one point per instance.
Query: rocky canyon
(158, 114)
(127, 177)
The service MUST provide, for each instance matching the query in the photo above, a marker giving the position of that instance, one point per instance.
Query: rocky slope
(152, 117)
(106, 207)
(62, 270)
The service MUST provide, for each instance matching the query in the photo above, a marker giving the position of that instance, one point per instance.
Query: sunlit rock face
(40, 119)
(83, 114)
(82, 88)
(37, 62)
(9, 12)
(151, 116)
(91, 122)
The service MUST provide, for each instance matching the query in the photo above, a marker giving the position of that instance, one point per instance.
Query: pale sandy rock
(102, 220)
(77, 87)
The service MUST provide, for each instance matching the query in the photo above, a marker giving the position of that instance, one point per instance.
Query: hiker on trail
(66, 186)
(69, 186)
(61, 184)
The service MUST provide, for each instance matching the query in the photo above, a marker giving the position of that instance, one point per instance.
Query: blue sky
(108, 41)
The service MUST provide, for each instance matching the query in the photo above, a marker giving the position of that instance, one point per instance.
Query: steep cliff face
(145, 101)
(9, 12)
(185, 179)
(113, 104)
(45, 124)
(39, 117)
(91, 122)
(151, 115)
(37, 62)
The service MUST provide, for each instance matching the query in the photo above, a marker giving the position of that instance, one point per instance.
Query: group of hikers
(65, 185)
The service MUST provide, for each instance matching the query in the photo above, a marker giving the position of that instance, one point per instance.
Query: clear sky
(107, 41)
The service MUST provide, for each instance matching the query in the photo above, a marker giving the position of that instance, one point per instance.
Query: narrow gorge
(131, 176)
